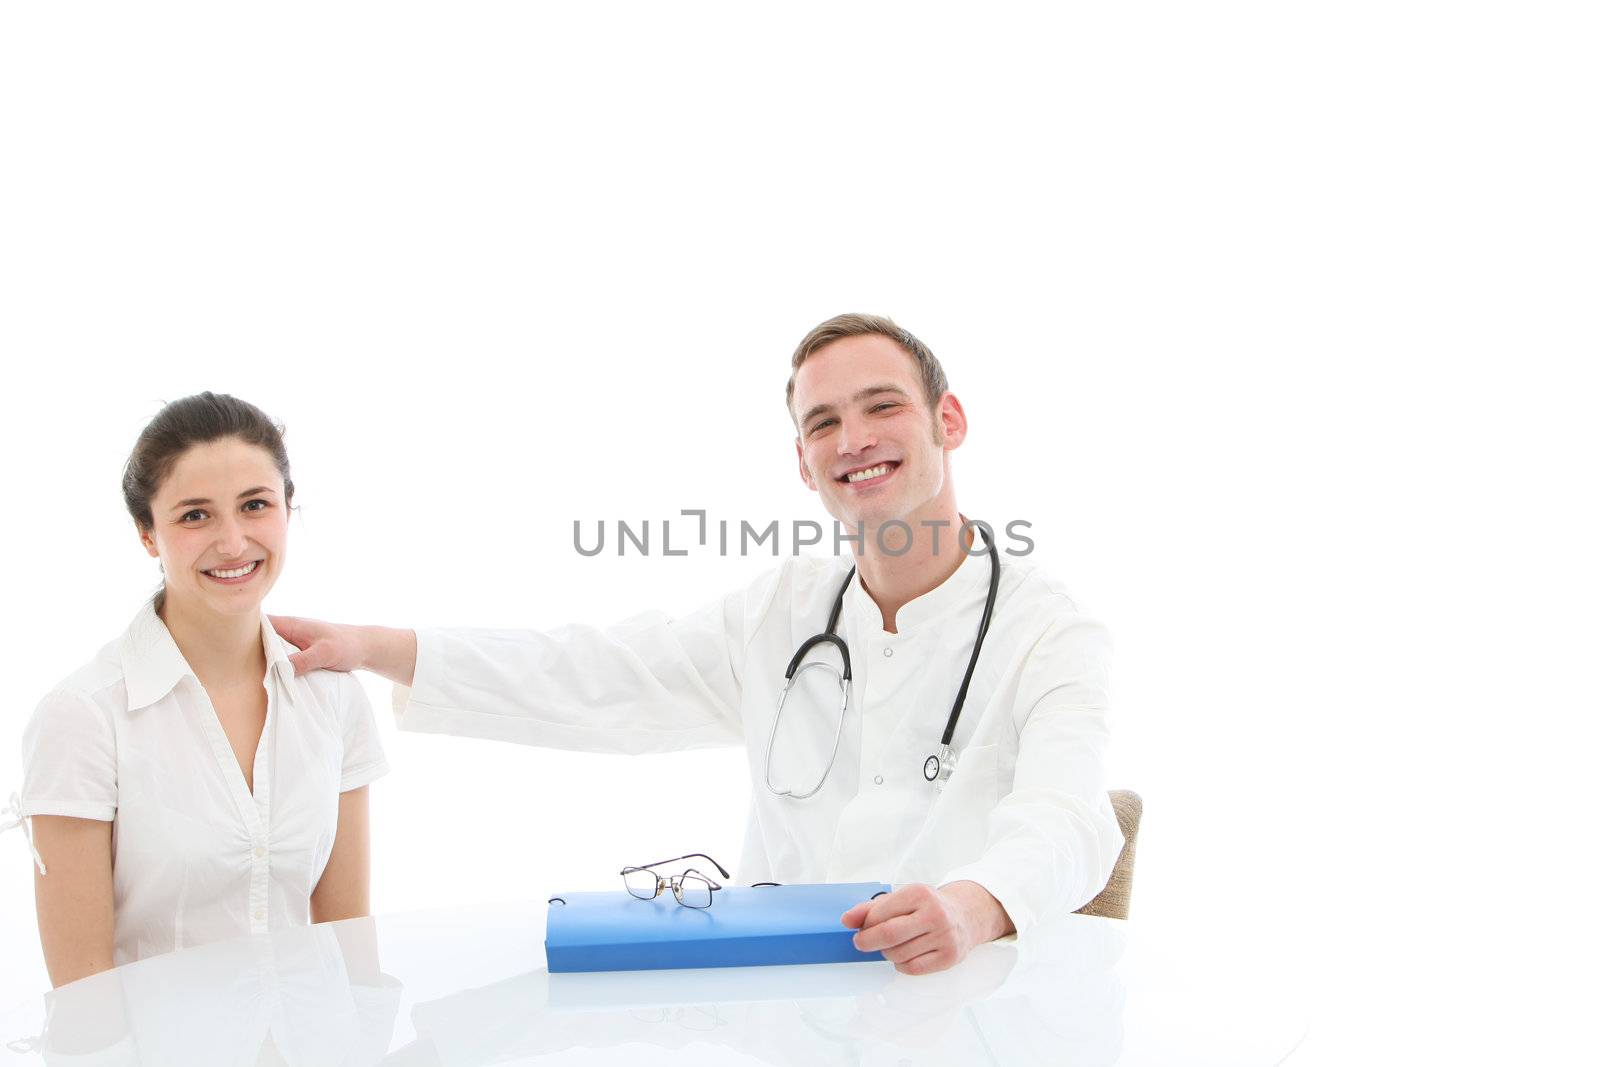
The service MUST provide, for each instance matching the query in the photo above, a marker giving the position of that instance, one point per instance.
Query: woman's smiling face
(220, 526)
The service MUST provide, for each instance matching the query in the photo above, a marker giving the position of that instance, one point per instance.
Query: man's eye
(821, 425)
(887, 404)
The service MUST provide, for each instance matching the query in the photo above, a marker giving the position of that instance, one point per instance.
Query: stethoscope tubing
(945, 758)
(977, 647)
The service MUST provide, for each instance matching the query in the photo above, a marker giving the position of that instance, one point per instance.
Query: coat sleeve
(649, 684)
(1053, 840)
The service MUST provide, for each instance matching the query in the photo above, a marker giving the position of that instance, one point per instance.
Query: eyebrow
(865, 394)
(198, 500)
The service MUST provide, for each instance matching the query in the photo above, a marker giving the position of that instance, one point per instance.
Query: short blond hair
(934, 383)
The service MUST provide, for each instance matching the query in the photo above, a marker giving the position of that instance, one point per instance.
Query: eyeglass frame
(675, 882)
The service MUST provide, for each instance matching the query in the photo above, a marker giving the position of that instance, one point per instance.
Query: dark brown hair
(182, 424)
(934, 384)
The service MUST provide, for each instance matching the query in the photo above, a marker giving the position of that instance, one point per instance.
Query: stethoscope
(937, 767)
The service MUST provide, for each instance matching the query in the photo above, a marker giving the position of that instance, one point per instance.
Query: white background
(1277, 321)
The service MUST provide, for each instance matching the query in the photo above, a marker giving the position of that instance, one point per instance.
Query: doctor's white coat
(1025, 814)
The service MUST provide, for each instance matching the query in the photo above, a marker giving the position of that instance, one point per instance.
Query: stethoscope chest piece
(940, 767)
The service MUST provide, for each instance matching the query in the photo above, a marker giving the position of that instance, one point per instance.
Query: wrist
(402, 656)
(386, 651)
(983, 915)
(368, 640)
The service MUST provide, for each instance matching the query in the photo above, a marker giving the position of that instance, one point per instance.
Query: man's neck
(935, 553)
(222, 650)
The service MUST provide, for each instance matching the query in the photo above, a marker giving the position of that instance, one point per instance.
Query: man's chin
(872, 520)
(869, 514)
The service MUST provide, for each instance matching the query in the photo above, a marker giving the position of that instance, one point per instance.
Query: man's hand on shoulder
(329, 646)
(324, 646)
(921, 929)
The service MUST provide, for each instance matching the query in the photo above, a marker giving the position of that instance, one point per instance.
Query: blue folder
(745, 926)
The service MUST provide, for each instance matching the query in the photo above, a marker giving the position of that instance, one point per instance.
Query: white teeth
(238, 572)
(870, 472)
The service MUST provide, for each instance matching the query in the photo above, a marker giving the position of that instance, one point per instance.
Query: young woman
(184, 786)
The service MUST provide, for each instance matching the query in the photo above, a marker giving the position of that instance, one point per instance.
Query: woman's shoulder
(133, 660)
(100, 682)
(333, 688)
(84, 704)
(327, 687)
(336, 707)
(338, 693)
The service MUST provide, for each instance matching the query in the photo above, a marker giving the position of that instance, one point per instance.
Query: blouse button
(260, 852)
(260, 914)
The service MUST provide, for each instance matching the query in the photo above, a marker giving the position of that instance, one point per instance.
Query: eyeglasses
(691, 888)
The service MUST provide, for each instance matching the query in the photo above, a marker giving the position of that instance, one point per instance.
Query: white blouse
(132, 739)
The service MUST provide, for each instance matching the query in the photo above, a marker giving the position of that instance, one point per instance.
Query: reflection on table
(1054, 999)
(314, 996)
(468, 986)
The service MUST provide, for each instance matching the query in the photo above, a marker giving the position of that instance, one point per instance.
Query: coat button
(878, 778)
(888, 652)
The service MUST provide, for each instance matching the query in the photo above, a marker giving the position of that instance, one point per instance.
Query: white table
(468, 986)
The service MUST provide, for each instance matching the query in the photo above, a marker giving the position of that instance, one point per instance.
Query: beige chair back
(1112, 903)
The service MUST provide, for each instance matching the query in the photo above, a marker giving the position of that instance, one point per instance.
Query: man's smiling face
(869, 444)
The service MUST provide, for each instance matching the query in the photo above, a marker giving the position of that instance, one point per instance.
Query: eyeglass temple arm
(690, 856)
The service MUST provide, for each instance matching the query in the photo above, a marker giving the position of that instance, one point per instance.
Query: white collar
(152, 665)
(968, 584)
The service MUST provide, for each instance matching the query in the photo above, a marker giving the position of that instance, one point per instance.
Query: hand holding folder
(747, 926)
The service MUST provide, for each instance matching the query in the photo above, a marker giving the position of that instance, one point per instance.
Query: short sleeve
(363, 752)
(69, 759)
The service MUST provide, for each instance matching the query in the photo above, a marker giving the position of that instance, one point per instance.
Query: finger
(921, 945)
(292, 630)
(902, 901)
(854, 917)
(928, 962)
(304, 662)
(890, 932)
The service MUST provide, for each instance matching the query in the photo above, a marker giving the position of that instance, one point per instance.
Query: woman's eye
(193, 516)
(256, 505)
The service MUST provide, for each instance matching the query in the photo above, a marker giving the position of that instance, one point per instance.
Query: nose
(231, 539)
(855, 435)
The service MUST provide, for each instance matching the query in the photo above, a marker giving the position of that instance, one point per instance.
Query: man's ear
(952, 422)
(805, 475)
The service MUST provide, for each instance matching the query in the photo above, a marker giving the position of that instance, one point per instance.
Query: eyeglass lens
(693, 891)
(641, 883)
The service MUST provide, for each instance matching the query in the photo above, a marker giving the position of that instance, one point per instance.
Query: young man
(1020, 828)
